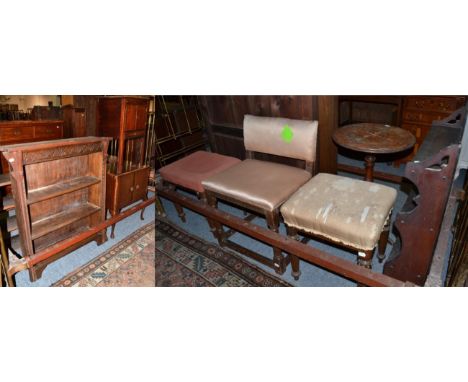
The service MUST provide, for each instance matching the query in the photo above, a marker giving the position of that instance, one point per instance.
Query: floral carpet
(129, 263)
(185, 260)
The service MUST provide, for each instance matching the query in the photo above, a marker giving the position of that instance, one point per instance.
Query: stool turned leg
(272, 218)
(365, 259)
(178, 207)
(215, 227)
(159, 207)
(384, 239)
(203, 198)
(370, 160)
(295, 271)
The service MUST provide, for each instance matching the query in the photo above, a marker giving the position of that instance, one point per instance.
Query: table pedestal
(370, 160)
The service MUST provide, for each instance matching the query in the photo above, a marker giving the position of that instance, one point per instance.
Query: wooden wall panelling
(328, 123)
(223, 117)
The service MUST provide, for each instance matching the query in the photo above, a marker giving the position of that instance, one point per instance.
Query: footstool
(190, 171)
(352, 213)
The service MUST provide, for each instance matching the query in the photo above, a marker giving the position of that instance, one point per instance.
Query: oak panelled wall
(223, 117)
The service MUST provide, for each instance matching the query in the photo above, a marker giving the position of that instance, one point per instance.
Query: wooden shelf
(5, 180)
(8, 203)
(62, 188)
(54, 222)
(56, 241)
(58, 188)
(12, 225)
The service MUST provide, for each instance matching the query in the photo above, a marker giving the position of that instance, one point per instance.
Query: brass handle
(137, 186)
(131, 189)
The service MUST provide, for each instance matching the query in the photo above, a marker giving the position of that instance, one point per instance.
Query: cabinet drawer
(16, 133)
(444, 104)
(48, 132)
(423, 117)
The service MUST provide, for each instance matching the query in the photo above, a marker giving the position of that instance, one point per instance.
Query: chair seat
(260, 184)
(348, 211)
(189, 172)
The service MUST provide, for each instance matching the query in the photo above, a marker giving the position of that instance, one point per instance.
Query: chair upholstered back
(285, 137)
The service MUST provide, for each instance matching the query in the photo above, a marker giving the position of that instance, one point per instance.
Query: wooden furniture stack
(375, 109)
(40, 113)
(124, 120)
(59, 192)
(12, 132)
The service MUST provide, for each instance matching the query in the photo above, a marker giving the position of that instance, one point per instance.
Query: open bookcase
(59, 191)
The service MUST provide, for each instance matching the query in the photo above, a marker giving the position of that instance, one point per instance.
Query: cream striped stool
(351, 213)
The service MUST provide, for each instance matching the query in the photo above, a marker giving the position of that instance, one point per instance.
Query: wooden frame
(279, 262)
(419, 222)
(315, 256)
(59, 191)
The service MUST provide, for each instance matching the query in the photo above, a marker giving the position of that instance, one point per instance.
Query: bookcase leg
(113, 213)
(35, 273)
(101, 238)
(142, 213)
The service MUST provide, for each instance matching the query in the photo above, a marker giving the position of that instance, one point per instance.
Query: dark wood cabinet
(13, 132)
(127, 188)
(74, 121)
(124, 119)
(59, 192)
(420, 111)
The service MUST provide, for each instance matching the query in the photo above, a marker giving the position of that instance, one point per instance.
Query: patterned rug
(129, 263)
(186, 260)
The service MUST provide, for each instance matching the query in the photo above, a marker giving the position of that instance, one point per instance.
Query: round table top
(374, 138)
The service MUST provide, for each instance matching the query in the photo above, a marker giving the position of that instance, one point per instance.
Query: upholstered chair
(189, 172)
(351, 213)
(263, 186)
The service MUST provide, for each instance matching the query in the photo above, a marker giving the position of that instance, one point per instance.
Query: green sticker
(287, 134)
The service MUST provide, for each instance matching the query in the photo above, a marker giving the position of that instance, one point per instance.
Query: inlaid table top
(374, 138)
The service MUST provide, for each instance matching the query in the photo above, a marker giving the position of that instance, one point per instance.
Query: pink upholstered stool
(189, 172)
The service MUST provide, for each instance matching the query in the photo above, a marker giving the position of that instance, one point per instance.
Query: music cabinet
(124, 119)
(59, 191)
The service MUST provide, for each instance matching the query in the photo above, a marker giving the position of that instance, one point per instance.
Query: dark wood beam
(327, 124)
